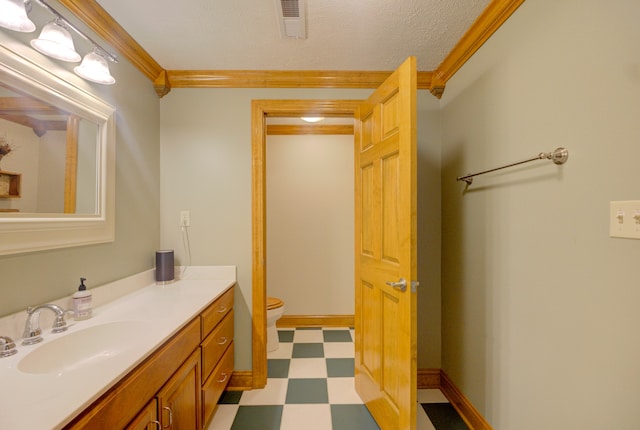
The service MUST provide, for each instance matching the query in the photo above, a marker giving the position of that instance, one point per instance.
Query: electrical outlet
(624, 219)
(185, 219)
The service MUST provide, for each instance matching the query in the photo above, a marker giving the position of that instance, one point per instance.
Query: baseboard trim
(467, 411)
(428, 378)
(288, 321)
(241, 380)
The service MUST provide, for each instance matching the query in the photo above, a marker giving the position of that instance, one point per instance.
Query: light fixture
(13, 15)
(55, 41)
(94, 68)
(312, 118)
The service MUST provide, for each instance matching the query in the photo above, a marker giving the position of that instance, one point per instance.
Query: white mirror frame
(28, 232)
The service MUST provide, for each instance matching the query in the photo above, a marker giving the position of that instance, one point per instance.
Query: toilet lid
(274, 303)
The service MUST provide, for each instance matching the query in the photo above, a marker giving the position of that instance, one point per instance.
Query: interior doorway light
(56, 42)
(312, 118)
(13, 16)
(94, 68)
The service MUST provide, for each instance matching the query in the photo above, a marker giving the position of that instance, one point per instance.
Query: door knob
(400, 285)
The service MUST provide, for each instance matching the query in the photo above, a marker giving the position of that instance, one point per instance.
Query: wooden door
(385, 251)
(147, 419)
(179, 399)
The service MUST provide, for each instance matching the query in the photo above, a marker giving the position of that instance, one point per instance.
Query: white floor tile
(431, 396)
(275, 393)
(308, 336)
(339, 350)
(308, 368)
(223, 418)
(342, 391)
(307, 417)
(285, 350)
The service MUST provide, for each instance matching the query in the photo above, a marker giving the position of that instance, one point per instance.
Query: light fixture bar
(106, 54)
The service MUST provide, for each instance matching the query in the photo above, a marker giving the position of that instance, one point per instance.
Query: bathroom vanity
(157, 357)
(179, 385)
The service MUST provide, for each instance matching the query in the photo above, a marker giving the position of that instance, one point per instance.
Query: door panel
(385, 206)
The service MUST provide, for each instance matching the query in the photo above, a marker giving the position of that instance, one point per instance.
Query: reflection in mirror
(60, 173)
(53, 155)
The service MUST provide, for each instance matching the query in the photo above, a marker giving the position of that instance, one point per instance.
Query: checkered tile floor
(310, 385)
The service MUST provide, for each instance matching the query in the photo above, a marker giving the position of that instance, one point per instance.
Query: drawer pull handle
(157, 423)
(225, 375)
(222, 309)
(223, 340)
(170, 417)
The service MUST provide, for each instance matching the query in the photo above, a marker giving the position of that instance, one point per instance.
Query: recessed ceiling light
(312, 118)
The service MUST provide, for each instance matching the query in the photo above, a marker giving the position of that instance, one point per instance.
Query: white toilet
(275, 309)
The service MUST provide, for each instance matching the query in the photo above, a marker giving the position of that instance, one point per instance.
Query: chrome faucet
(32, 332)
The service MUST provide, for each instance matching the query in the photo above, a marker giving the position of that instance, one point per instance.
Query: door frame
(260, 110)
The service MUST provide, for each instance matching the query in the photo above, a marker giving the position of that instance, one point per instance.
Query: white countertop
(49, 401)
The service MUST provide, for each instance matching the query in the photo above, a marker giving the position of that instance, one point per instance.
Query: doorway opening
(260, 110)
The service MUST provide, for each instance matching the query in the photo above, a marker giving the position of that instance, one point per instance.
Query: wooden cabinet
(179, 400)
(147, 419)
(217, 353)
(170, 390)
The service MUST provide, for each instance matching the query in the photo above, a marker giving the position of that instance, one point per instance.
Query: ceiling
(367, 35)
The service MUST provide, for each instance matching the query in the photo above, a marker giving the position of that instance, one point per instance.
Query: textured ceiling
(341, 34)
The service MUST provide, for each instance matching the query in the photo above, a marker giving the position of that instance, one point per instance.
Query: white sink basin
(89, 346)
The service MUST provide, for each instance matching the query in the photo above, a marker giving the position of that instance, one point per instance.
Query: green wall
(33, 278)
(206, 168)
(540, 305)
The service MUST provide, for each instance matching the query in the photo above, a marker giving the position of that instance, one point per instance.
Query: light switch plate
(624, 219)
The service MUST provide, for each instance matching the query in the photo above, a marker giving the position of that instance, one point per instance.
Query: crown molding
(103, 24)
(283, 79)
(493, 16)
(96, 18)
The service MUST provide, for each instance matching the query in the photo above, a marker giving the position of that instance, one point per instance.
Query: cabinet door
(179, 399)
(147, 419)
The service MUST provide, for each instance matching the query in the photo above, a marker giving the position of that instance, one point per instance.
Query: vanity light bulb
(13, 16)
(94, 68)
(55, 41)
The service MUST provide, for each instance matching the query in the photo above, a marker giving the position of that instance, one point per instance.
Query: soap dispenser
(82, 302)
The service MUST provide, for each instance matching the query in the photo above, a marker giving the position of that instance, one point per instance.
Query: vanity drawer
(215, 385)
(214, 314)
(215, 344)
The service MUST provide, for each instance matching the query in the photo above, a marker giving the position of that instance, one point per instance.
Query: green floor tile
(258, 418)
(307, 391)
(337, 336)
(286, 336)
(308, 350)
(350, 417)
(278, 367)
(340, 367)
(444, 416)
(230, 397)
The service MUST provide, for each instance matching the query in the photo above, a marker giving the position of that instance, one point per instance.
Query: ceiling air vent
(292, 18)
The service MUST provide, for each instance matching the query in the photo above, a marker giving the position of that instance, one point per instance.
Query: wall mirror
(57, 182)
